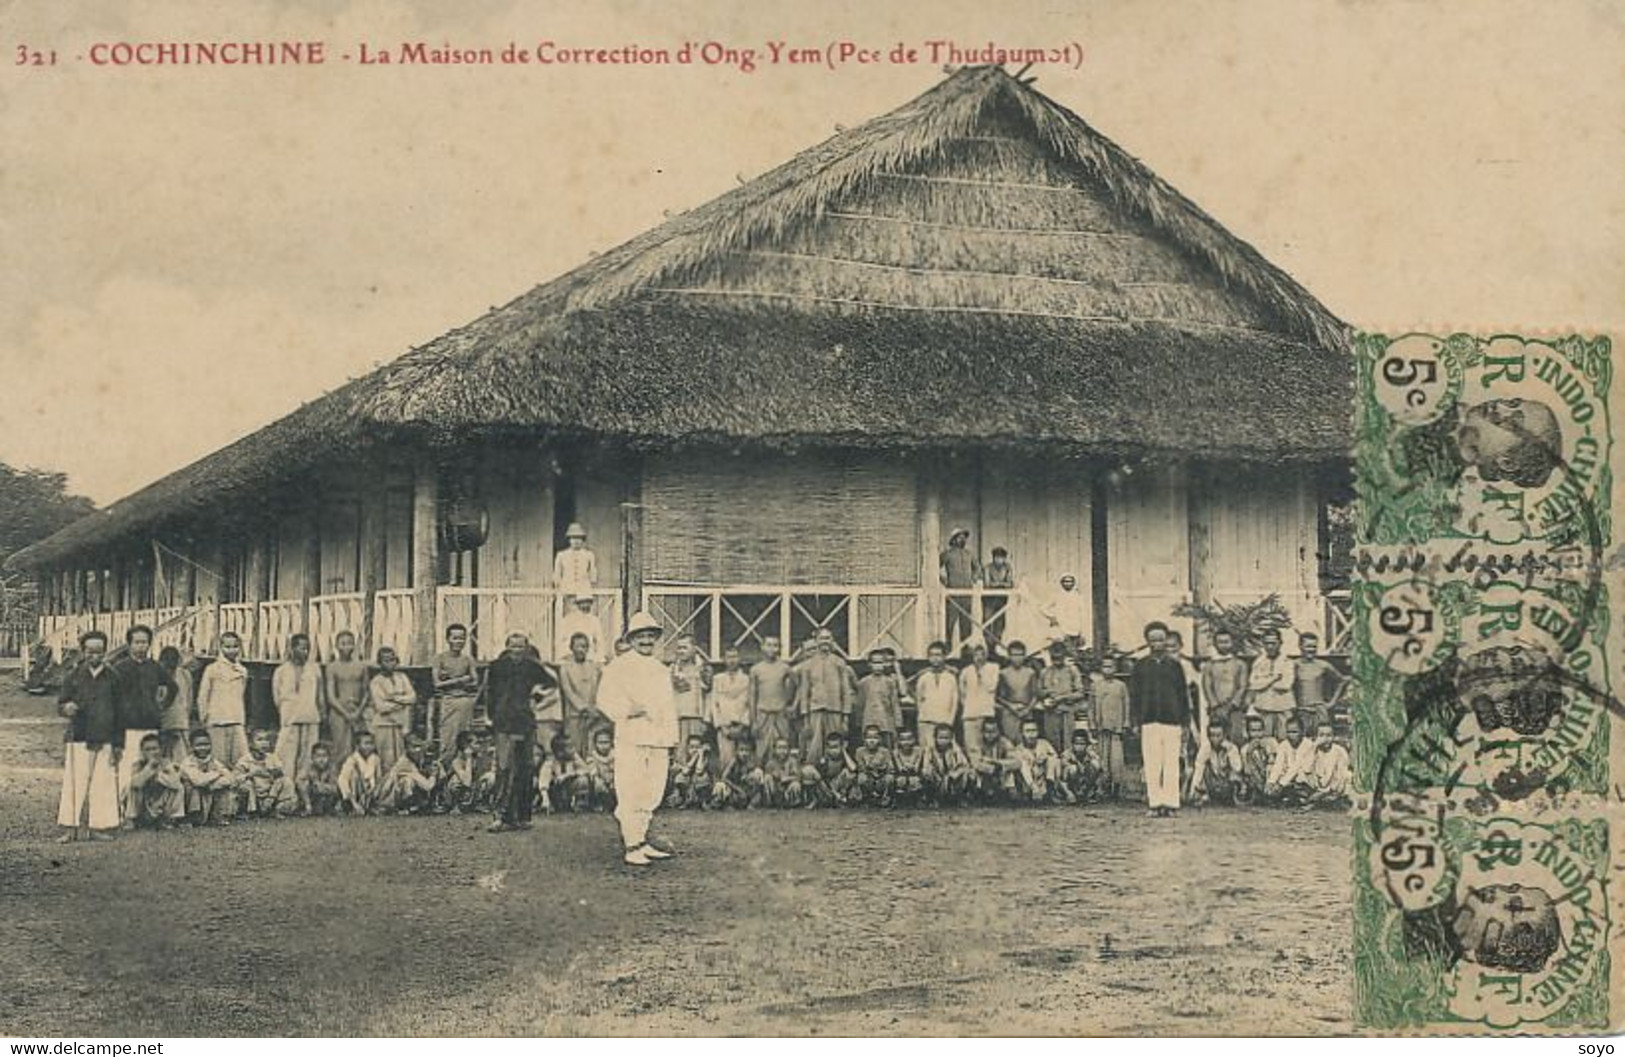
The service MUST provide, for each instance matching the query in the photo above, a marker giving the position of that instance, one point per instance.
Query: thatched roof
(978, 267)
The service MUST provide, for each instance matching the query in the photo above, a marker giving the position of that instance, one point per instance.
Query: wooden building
(771, 411)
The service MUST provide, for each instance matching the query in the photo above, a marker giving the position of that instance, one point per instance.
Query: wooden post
(310, 583)
(374, 530)
(632, 545)
(1099, 564)
(932, 621)
(1199, 514)
(425, 555)
(258, 584)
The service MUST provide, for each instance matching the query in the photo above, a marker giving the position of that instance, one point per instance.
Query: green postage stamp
(1484, 652)
(1504, 440)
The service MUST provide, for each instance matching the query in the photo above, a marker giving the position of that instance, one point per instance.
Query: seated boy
(874, 770)
(210, 785)
(263, 787)
(781, 775)
(1216, 775)
(946, 772)
(359, 780)
(908, 762)
(1080, 769)
(157, 799)
(1329, 776)
(1257, 760)
(319, 785)
(561, 781)
(741, 781)
(828, 780)
(409, 787)
(1288, 781)
(990, 764)
(470, 778)
(600, 773)
(691, 777)
(468, 783)
(1034, 778)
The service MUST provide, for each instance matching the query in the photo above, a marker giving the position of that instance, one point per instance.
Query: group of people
(151, 743)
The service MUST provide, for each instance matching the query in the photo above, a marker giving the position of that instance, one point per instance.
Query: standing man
(1160, 702)
(296, 687)
(514, 682)
(826, 691)
(456, 687)
(89, 808)
(960, 570)
(1224, 687)
(636, 694)
(1269, 686)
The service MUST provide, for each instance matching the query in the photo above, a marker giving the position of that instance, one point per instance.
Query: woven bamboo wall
(810, 520)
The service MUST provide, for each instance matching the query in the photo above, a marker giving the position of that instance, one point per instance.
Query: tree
(34, 504)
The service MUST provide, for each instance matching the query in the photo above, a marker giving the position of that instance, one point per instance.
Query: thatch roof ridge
(809, 182)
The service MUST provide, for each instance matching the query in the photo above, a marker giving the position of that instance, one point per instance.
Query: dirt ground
(1054, 921)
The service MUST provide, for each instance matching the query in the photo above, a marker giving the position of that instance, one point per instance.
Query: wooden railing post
(425, 555)
(258, 573)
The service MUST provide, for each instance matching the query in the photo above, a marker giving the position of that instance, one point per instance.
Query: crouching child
(829, 779)
(359, 780)
(264, 789)
(691, 775)
(210, 786)
(411, 784)
(1081, 772)
(469, 779)
(561, 781)
(157, 798)
(992, 765)
(1216, 776)
(945, 775)
(741, 782)
(908, 762)
(1035, 778)
(781, 776)
(319, 785)
(874, 770)
(601, 771)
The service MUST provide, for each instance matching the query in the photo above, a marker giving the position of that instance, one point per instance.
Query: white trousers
(90, 794)
(640, 784)
(1159, 744)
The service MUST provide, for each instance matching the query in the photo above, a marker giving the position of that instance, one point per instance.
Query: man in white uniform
(636, 695)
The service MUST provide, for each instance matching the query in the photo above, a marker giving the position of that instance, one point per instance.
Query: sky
(194, 252)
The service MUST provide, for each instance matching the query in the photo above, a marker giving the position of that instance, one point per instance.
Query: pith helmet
(575, 531)
(642, 621)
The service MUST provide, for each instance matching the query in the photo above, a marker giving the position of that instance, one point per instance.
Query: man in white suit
(636, 694)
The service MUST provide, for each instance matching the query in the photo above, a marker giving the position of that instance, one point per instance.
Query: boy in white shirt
(1329, 775)
(1289, 778)
(361, 776)
(222, 692)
